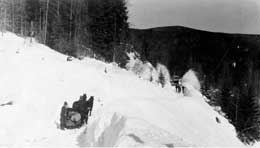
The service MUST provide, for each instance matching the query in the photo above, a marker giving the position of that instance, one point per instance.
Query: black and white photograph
(129, 73)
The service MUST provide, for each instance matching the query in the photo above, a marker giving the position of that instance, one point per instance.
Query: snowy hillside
(128, 111)
(146, 71)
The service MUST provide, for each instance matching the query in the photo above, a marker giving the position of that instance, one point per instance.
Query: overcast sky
(231, 16)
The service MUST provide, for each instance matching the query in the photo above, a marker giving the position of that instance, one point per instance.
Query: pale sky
(230, 16)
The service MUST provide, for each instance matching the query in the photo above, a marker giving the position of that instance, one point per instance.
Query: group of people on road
(179, 88)
(77, 115)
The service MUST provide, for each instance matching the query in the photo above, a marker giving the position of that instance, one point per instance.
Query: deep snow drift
(128, 111)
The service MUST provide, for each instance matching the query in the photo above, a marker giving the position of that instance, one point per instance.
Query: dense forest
(228, 67)
(74, 27)
(227, 64)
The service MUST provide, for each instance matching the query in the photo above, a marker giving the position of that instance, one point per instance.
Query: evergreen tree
(161, 79)
(108, 25)
(249, 120)
(32, 14)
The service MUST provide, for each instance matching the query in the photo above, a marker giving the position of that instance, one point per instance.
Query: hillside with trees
(74, 27)
(227, 65)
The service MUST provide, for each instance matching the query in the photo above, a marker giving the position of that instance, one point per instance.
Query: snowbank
(121, 131)
(128, 111)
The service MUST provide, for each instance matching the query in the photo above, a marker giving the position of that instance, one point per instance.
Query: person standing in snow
(32, 35)
(90, 104)
(63, 115)
(178, 87)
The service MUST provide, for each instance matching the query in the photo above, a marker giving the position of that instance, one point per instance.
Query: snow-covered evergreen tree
(145, 70)
(161, 79)
(191, 78)
(163, 75)
(191, 84)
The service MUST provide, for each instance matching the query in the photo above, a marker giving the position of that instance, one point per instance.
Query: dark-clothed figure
(76, 105)
(90, 104)
(63, 115)
(84, 108)
(178, 88)
(84, 96)
(177, 84)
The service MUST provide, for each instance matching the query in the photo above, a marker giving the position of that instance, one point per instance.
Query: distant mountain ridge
(163, 44)
(181, 28)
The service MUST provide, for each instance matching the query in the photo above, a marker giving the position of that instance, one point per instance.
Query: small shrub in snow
(69, 58)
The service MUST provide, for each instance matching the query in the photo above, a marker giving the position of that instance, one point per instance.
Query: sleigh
(73, 119)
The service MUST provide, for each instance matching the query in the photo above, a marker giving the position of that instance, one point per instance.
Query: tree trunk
(5, 20)
(13, 26)
(21, 23)
(40, 23)
(114, 48)
(70, 34)
(46, 22)
(58, 8)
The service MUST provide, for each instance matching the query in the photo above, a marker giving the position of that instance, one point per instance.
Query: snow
(144, 70)
(256, 145)
(128, 111)
(190, 78)
(147, 71)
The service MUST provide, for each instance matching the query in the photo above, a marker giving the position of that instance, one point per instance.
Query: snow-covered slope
(128, 111)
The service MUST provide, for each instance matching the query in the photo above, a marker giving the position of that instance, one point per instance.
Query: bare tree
(70, 32)
(46, 21)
